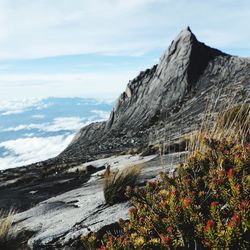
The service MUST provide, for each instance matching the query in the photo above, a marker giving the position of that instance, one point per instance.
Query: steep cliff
(165, 101)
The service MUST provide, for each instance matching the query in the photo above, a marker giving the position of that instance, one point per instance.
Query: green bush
(205, 206)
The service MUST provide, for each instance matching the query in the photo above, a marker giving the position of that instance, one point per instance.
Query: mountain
(166, 101)
(61, 199)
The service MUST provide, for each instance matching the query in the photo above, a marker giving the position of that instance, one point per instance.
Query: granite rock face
(59, 221)
(166, 101)
(162, 103)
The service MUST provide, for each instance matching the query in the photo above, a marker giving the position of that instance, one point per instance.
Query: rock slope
(166, 101)
(59, 221)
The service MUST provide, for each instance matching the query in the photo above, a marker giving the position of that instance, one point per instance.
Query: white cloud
(71, 27)
(38, 116)
(9, 107)
(102, 114)
(58, 124)
(95, 85)
(64, 123)
(34, 149)
(11, 112)
(43, 28)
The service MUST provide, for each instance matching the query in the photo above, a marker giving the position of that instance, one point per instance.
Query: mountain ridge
(182, 64)
(162, 103)
(186, 70)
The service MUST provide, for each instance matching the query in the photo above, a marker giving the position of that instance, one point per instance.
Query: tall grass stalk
(115, 184)
(227, 120)
(6, 231)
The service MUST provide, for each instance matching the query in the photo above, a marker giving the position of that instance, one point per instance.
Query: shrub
(206, 206)
(115, 184)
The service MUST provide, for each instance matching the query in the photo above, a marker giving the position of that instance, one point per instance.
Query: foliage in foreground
(205, 206)
(115, 184)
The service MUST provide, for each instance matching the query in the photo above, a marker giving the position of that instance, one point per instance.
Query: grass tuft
(10, 239)
(233, 124)
(6, 233)
(115, 184)
(6, 222)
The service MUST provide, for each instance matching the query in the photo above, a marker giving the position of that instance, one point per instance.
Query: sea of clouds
(33, 130)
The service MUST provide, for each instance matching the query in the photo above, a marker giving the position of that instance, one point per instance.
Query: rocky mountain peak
(158, 88)
(186, 56)
(167, 100)
(181, 44)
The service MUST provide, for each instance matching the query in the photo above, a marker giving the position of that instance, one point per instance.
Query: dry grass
(233, 123)
(222, 120)
(7, 236)
(115, 184)
(10, 239)
(6, 222)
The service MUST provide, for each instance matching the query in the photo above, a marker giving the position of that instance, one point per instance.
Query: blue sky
(92, 48)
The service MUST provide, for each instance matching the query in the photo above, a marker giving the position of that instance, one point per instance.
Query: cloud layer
(29, 150)
(8, 107)
(60, 123)
(35, 130)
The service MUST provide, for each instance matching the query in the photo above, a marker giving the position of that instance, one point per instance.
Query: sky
(92, 48)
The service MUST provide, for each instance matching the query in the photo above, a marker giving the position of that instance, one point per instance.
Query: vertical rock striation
(164, 102)
(155, 91)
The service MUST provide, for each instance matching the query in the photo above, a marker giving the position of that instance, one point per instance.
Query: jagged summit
(166, 83)
(185, 37)
(186, 50)
(164, 102)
